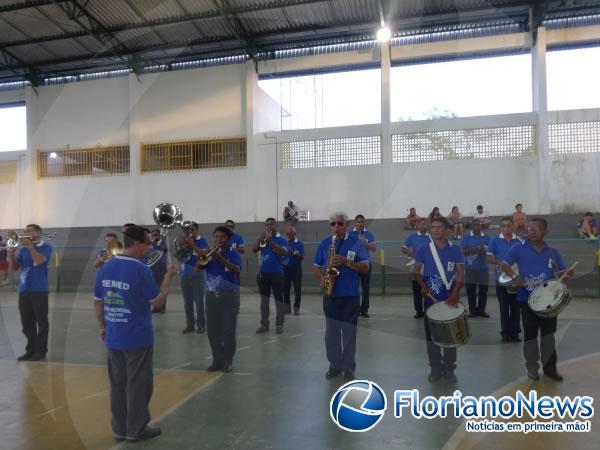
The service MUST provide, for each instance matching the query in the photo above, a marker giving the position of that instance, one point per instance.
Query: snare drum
(448, 325)
(506, 282)
(410, 262)
(549, 299)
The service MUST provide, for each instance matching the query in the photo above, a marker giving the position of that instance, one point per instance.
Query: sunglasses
(338, 223)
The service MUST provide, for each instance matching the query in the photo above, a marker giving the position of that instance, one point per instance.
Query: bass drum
(448, 325)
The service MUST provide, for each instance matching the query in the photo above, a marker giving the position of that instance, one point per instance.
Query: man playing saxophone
(338, 262)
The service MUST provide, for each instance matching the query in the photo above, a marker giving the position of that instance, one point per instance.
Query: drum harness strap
(438, 264)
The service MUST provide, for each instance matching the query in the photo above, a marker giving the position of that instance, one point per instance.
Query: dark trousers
(532, 325)
(441, 359)
(131, 385)
(341, 316)
(159, 271)
(33, 308)
(365, 284)
(417, 297)
(222, 310)
(292, 276)
(192, 289)
(476, 280)
(509, 312)
(267, 282)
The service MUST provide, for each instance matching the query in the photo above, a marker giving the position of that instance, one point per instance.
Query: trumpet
(14, 239)
(262, 243)
(203, 260)
(113, 248)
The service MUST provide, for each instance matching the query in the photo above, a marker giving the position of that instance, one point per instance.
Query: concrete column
(540, 107)
(386, 135)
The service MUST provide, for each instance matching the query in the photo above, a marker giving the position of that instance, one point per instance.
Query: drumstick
(561, 279)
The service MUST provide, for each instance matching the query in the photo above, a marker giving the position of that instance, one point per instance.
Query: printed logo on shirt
(351, 255)
(549, 263)
(450, 266)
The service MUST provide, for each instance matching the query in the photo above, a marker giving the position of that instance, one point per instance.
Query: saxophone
(331, 272)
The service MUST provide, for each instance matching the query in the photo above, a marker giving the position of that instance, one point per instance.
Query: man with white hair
(346, 255)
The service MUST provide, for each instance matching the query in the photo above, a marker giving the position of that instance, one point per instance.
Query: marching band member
(509, 307)
(474, 245)
(272, 248)
(109, 240)
(192, 283)
(32, 259)
(124, 294)
(237, 241)
(222, 299)
(349, 257)
(293, 271)
(159, 269)
(368, 240)
(439, 285)
(537, 264)
(409, 248)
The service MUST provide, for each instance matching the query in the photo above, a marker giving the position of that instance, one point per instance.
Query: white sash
(438, 264)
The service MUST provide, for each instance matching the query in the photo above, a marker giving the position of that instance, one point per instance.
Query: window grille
(336, 152)
(83, 161)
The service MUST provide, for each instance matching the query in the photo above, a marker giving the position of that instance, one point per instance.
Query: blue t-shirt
(593, 223)
(367, 235)
(450, 257)
(271, 262)
(478, 261)
(415, 240)
(295, 246)
(499, 247)
(163, 258)
(187, 268)
(218, 278)
(236, 241)
(33, 277)
(126, 286)
(346, 284)
(535, 267)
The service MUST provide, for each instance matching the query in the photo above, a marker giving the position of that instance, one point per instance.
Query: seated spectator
(455, 218)
(588, 227)
(434, 214)
(520, 220)
(412, 220)
(290, 214)
(482, 217)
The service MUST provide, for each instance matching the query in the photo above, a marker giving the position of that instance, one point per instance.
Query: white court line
(270, 342)
(241, 373)
(243, 348)
(97, 394)
(50, 411)
(295, 335)
(189, 363)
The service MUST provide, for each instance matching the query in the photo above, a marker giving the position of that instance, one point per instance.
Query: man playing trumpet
(223, 266)
(32, 259)
(272, 249)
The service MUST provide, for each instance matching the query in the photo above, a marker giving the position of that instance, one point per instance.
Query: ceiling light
(384, 34)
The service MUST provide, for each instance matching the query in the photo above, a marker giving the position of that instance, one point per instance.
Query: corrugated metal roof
(49, 37)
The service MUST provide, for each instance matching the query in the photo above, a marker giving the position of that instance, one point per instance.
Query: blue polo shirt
(218, 278)
(126, 286)
(295, 246)
(367, 235)
(415, 240)
(535, 267)
(271, 262)
(236, 241)
(499, 247)
(187, 269)
(478, 261)
(346, 284)
(450, 257)
(33, 277)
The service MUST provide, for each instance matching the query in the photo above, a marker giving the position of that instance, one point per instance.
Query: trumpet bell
(167, 215)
